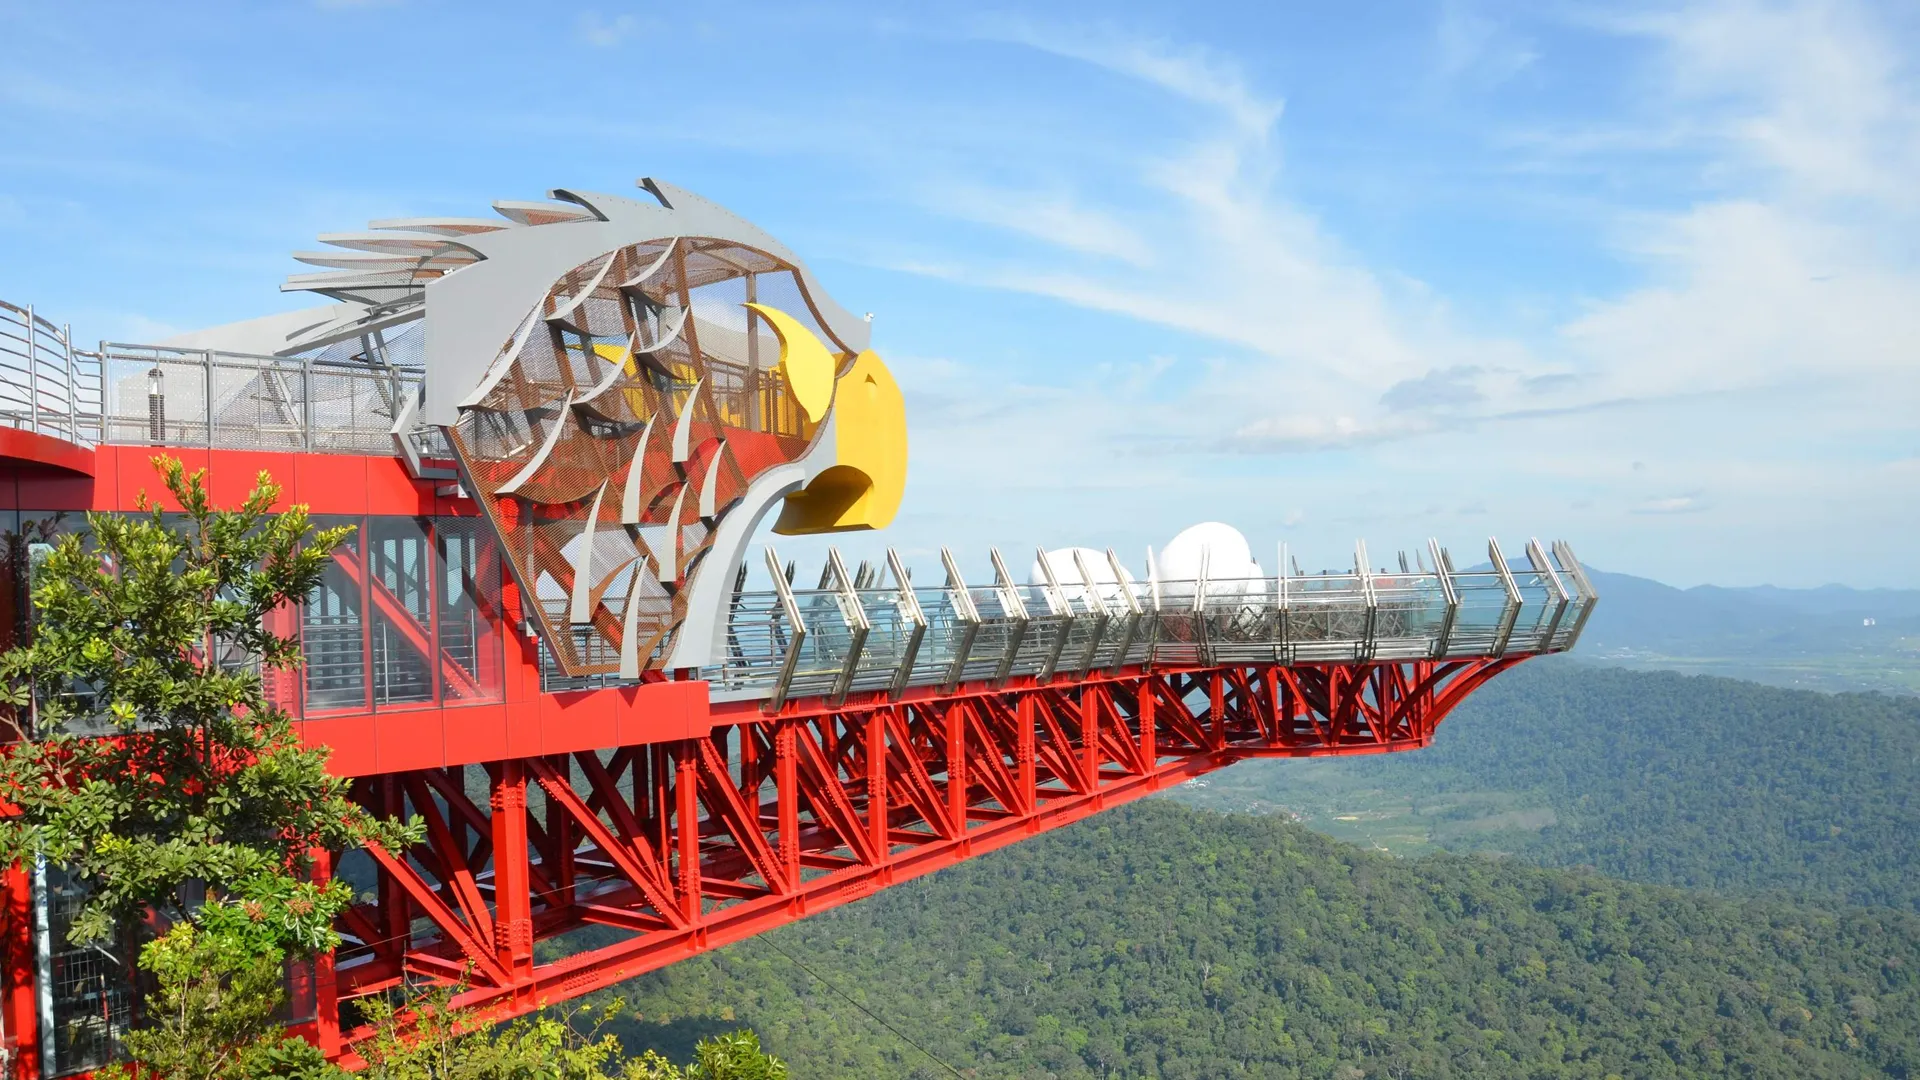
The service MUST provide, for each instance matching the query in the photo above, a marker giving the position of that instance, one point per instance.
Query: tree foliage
(1159, 941)
(1670, 779)
(426, 1040)
(213, 1014)
(151, 764)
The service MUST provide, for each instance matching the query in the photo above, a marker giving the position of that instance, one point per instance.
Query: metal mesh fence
(186, 397)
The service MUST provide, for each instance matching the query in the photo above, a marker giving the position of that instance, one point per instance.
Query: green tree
(426, 1039)
(213, 1013)
(161, 632)
(733, 1057)
(152, 767)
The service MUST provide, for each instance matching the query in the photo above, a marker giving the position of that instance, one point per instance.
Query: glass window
(469, 611)
(331, 631)
(398, 558)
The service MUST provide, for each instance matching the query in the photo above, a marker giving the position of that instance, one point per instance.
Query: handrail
(799, 631)
(130, 393)
(1443, 570)
(857, 625)
(1511, 614)
(1132, 603)
(45, 386)
(1095, 607)
(1287, 617)
(966, 613)
(1057, 606)
(1016, 609)
(910, 606)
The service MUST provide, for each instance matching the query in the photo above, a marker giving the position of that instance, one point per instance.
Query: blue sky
(1644, 277)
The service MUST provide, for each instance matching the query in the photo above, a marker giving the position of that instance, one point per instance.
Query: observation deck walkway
(854, 633)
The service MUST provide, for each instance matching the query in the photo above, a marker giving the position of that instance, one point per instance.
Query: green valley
(1163, 941)
(1657, 777)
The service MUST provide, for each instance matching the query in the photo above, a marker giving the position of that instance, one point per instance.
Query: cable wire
(871, 1015)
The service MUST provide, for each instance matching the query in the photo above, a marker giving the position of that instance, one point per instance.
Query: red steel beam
(690, 845)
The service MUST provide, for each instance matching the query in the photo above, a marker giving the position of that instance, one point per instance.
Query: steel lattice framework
(692, 844)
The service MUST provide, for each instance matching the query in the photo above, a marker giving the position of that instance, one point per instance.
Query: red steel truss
(667, 823)
(690, 844)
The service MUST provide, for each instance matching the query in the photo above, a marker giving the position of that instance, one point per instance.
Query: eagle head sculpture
(628, 386)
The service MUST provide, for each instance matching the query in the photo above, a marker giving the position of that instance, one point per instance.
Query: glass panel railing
(879, 639)
(1484, 607)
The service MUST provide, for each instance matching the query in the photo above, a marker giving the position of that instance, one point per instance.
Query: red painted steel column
(878, 817)
(956, 740)
(1149, 748)
(326, 993)
(512, 883)
(660, 799)
(786, 783)
(1275, 727)
(1216, 709)
(686, 822)
(1023, 709)
(394, 903)
(1090, 736)
(561, 843)
(21, 1005)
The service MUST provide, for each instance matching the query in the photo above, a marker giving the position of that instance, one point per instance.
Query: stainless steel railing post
(1538, 557)
(910, 606)
(73, 407)
(966, 614)
(1510, 614)
(1016, 610)
(33, 378)
(207, 358)
(1443, 569)
(857, 625)
(798, 629)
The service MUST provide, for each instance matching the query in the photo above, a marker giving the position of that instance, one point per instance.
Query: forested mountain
(1652, 776)
(1830, 638)
(1157, 940)
(1640, 611)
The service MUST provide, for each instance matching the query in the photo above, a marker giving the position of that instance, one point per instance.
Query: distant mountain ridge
(1832, 637)
(1641, 608)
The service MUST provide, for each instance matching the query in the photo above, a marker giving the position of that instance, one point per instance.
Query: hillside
(1162, 941)
(1652, 776)
(1829, 638)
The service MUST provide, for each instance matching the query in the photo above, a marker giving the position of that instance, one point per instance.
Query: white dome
(1066, 572)
(1229, 563)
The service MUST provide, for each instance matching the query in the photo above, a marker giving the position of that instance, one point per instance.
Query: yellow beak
(863, 486)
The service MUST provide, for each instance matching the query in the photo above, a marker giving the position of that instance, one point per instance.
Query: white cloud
(1673, 504)
(1054, 218)
(1772, 321)
(1815, 89)
(1197, 75)
(605, 33)
(1470, 47)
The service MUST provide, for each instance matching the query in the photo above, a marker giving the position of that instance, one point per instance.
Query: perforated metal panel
(629, 412)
